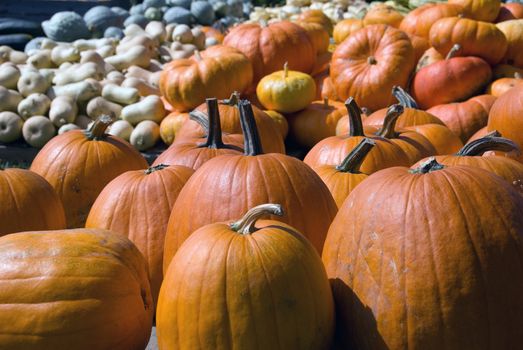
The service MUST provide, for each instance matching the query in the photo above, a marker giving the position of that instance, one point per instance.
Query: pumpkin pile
(328, 183)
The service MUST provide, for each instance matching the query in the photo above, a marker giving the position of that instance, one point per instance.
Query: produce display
(237, 174)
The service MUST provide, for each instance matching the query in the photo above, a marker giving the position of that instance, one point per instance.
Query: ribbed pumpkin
(441, 137)
(137, 204)
(431, 55)
(420, 20)
(370, 62)
(324, 87)
(332, 150)
(268, 47)
(318, 17)
(261, 284)
(79, 164)
(343, 178)
(502, 85)
(316, 122)
(345, 28)
(227, 186)
(480, 10)
(476, 38)
(73, 289)
(451, 80)
(318, 36)
(170, 126)
(281, 121)
(218, 71)
(479, 134)
(382, 14)
(194, 152)
(428, 259)
(508, 11)
(465, 118)
(420, 45)
(513, 31)
(28, 203)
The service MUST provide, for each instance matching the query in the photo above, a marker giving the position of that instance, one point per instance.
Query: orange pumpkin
(324, 87)
(73, 289)
(513, 31)
(420, 20)
(79, 164)
(382, 14)
(431, 55)
(476, 38)
(479, 134)
(480, 10)
(370, 62)
(257, 267)
(318, 17)
(441, 137)
(170, 126)
(345, 28)
(218, 71)
(502, 85)
(211, 32)
(420, 45)
(28, 203)
(269, 47)
(318, 36)
(510, 11)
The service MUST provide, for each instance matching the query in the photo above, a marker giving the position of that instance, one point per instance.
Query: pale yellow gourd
(122, 129)
(10, 127)
(7, 54)
(149, 108)
(81, 91)
(32, 82)
(38, 130)
(78, 73)
(67, 127)
(92, 44)
(9, 99)
(48, 74)
(133, 30)
(63, 111)
(144, 89)
(48, 44)
(9, 75)
(156, 30)
(106, 51)
(139, 72)
(115, 77)
(136, 55)
(64, 53)
(99, 106)
(41, 59)
(121, 95)
(145, 135)
(93, 56)
(34, 104)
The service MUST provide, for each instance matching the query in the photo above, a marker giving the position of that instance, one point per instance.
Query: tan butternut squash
(78, 73)
(41, 59)
(115, 77)
(145, 135)
(149, 108)
(63, 111)
(9, 99)
(67, 127)
(99, 106)
(34, 104)
(106, 51)
(64, 53)
(121, 95)
(9, 75)
(81, 91)
(134, 56)
(10, 127)
(122, 129)
(144, 89)
(32, 82)
(38, 130)
(156, 30)
(83, 121)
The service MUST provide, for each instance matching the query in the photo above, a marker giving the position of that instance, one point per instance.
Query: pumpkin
(120, 208)
(239, 182)
(324, 87)
(318, 36)
(211, 32)
(513, 31)
(286, 91)
(451, 80)
(370, 62)
(316, 122)
(505, 116)
(382, 14)
(323, 61)
(319, 17)
(415, 243)
(464, 118)
(92, 291)
(342, 179)
(217, 71)
(479, 134)
(420, 20)
(193, 153)
(500, 86)
(476, 38)
(431, 55)
(78, 164)
(257, 267)
(345, 28)
(281, 121)
(170, 126)
(24, 193)
(268, 47)
(332, 150)
(508, 11)
(480, 10)
(441, 137)
(420, 45)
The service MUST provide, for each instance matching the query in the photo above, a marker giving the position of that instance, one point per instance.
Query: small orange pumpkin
(170, 126)
(383, 14)
(441, 137)
(345, 28)
(500, 86)
(480, 10)
(420, 20)
(318, 17)
(513, 31)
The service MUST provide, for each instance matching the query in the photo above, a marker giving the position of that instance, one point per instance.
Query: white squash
(169, 29)
(121, 95)
(17, 57)
(78, 73)
(122, 129)
(41, 59)
(83, 121)
(9, 75)
(93, 44)
(99, 106)
(115, 77)
(48, 74)
(34, 104)
(64, 53)
(156, 30)
(48, 44)
(133, 30)
(150, 108)
(155, 66)
(67, 127)
(141, 40)
(10, 127)
(94, 57)
(144, 89)
(38, 130)
(106, 51)
(136, 55)
(138, 72)
(81, 91)
(32, 82)
(145, 135)
(63, 110)
(9, 99)
(182, 33)
(199, 38)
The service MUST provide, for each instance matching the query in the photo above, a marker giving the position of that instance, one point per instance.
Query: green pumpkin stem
(488, 143)
(352, 163)
(246, 225)
(428, 166)
(355, 122)
(152, 169)
(389, 124)
(404, 98)
(251, 139)
(97, 130)
(453, 51)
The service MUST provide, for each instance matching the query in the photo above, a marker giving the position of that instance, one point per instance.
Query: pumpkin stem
(197, 55)
(518, 75)
(453, 51)
(389, 124)
(97, 130)
(245, 226)
(352, 163)
(214, 135)
(488, 143)
(404, 98)
(372, 60)
(201, 119)
(286, 70)
(251, 139)
(325, 102)
(428, 166)
(356, 125)
(152, 169)
(231, 101)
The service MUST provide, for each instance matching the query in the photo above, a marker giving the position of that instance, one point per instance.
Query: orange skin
(442, 138)
(502, 85)
(269, 47)
(370, 62)
(319, 17)
(420, 20)
(450, 80)
(318, 36)
(410, 117)
(78, 169)
(479, 134)
(476, 38)
(464, 118)
(265, 290)
(343, 125)
(413, 258)
(218, 71)
(73, 289)
(480, 10)
(170, 126)
(324, 87)
(510, 11)
(431, 55)
(505, 71)
(119, 208)
(24, 193)
(345, 28)
(420, 44)
(383, 14)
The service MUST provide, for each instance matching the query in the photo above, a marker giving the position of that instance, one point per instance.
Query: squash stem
(252, 143)
(389, 124)
(214, 136)
(246, 225)
(286, 70)
(97, 130)
(428, 166)
(488, 143)
(231, 101)
(352, 163)
(453, 51)
(152, 169)
(356, 125)
(404, 98)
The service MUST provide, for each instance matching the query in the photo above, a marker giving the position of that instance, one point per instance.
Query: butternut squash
(145, 135)
(9, 99)
(144, 89)
(64, 53)
(122, 129)
(34, 104)
(99, 105)
(149, 108)
(135, 56)
(78, 73)
(41, 59)
(32, 82)
(83, 121)
(121, 95)
(9, 75)
(156, 30)
(128, 43)
(48, 44)
(106, 51)
(63, 110)
(10, 127)
(81, 91)
(93, 56)
(38, 130)
(67, 127)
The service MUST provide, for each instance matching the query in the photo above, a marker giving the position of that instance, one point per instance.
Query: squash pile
(398, 222)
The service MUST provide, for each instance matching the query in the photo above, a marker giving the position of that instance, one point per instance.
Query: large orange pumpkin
(120, 208)
(269, 47)
(261, 284)
(370, 62)
(513, 31)
(28, 202)
(428, 258)
(345, 28)
(500, 86)
(476, 38)
(420, 20)
(79, 164)
(218, 71)
(441, 137)
(73, 289)
(227, 186)
(420, 45)
(318, 17)
(318, 36)
(382, 14)
(480, 10)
